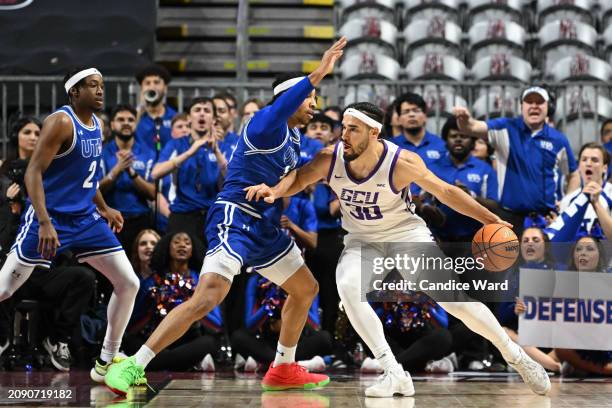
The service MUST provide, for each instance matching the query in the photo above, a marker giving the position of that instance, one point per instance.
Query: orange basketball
(497, 246)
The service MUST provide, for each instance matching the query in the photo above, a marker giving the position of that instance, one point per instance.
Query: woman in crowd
(535, 254)
(588, 255)
(172, 278)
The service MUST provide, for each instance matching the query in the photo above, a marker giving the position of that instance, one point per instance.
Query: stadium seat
(605, 7)
(581, 66)
(434, 35)
(370, 30)
(553, 10)
(436, 66)
(562, 38)
(370, 65)
(502, 67)
(495, 37)
(425, 10)
(579, 113)
(379, 95)
(486, 10)
(380, 9)
(607, 38)
(497, 101)
(440, 100)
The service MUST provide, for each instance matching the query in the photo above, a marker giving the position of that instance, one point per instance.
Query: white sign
(566, 309)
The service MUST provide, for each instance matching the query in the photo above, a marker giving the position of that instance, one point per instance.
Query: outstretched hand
(260, 191)
(328, 61)
(463, 116)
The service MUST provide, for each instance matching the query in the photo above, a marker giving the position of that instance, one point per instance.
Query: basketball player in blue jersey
(239, 236)
(368, 176)
(65, 209)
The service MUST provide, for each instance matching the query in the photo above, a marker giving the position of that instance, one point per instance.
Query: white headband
(363, 117)
(283, 86)
(78, 76)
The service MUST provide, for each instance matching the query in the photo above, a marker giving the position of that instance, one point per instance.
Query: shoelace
(137, 376)
(63, 351)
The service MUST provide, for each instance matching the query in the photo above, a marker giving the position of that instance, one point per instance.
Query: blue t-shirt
(145, 131)
(431, 148)
(479, 177)
(322, 197)
(195, 184)
(123, 195)
(529, 165)
(308, 149)
(267, 149)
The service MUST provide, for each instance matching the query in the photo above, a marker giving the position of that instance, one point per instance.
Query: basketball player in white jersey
(368, 175)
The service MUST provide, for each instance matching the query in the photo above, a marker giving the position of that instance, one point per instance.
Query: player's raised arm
(295, 181)
(289, 95)
(469, 125)
(411, 169)
(56, 132)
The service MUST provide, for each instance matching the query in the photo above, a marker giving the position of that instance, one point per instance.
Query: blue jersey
(71, 180)
(195, 184)
(228, 144)
(479, 177)
(123, 196)
(529, 164)
(267, 150)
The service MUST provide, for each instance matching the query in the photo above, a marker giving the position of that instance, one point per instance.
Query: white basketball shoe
(394, 382)
(533, 374)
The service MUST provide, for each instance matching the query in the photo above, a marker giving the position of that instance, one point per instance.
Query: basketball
(497, 245)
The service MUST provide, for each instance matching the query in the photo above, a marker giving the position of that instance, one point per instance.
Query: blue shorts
(87, 236)
(239, 236)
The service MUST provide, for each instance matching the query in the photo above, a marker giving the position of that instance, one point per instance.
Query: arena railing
(581, 104)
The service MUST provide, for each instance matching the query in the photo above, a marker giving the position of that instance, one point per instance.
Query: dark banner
(50, 37)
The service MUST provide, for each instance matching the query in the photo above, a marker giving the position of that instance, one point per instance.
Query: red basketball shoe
(290, 376)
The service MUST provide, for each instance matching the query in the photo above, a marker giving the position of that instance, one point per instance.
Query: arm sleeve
(253, 317)
(266, 130)
(498, 132)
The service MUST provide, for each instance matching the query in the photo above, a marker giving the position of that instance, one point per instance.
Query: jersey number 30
(92, 172)
(366, 213)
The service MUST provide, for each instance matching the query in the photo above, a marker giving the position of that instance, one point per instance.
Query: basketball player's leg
(23, 257)
(289, 272)
(366, 322)
(475, 315)
(13, 275)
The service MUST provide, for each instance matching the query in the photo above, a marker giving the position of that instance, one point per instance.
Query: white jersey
(371, 207)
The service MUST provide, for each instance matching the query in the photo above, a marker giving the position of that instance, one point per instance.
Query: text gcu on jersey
(363, 204)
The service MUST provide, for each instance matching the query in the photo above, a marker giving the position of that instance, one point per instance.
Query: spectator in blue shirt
(335, 113)
(412, 113)
(197, 166)
(154, 115)
(298, 218)
(224, 122)
(529, 156)
(474, 176)
(320, 128)
(127, 165)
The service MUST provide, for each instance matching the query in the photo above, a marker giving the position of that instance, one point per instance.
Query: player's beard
(358, 150)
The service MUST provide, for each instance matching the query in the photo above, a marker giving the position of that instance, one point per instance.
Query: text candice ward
(450, 285)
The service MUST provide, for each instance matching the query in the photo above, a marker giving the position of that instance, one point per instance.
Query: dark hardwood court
(226, 389)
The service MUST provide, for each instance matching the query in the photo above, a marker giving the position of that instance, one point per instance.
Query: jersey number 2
(92, 172)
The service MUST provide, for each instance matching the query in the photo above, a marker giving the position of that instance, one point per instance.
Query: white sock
(109, 350)
(284, 355)
(387, 360)
(144, 355)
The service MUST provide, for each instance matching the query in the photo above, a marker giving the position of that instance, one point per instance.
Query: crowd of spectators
(162, 169)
